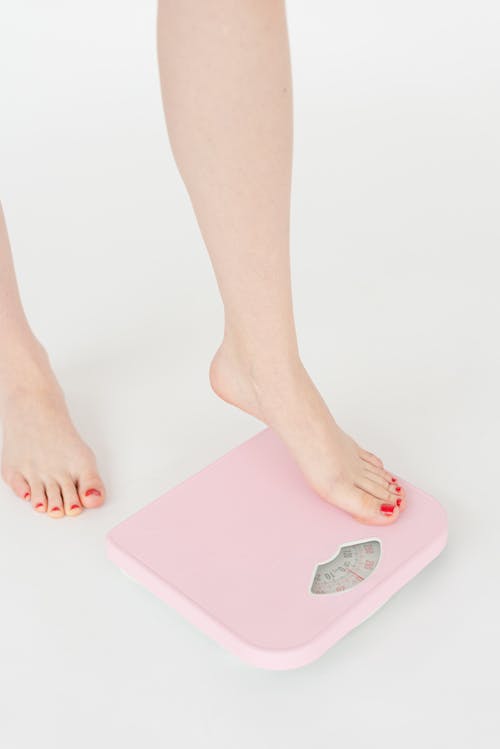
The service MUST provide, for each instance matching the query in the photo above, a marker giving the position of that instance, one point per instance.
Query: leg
(43, 459)
(227, 94)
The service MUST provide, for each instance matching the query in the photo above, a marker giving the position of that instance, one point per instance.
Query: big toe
(373, 511)
(91, 490)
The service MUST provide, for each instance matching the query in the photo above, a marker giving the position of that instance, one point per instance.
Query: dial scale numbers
(350, 567)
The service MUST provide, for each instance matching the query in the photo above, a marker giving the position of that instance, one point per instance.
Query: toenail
(387, 509)
(74, 507)
(398, 488)
(27, 495)
(95, 492)
(55, 509)
(393, 480)
(398, 502)
(40, 504)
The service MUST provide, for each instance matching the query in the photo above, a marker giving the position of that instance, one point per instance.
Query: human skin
(44, 460)
(227, 93)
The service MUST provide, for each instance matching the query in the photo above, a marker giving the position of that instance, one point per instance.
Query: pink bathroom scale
(250, 554)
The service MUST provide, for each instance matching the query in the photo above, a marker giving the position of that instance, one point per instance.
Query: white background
(395, 251)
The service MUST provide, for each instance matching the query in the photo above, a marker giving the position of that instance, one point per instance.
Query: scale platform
(250, 554)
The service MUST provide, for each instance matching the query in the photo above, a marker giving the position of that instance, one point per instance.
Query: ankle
(25, 369)
(241, 366)
(259, 350)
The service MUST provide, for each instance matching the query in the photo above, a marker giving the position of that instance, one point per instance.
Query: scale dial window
(352, 565)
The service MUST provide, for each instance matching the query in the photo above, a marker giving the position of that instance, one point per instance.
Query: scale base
(236, 547)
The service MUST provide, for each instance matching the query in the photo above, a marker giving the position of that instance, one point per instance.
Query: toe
(379, 472)
(71, 500)
(38, 498)
(375, 474)
(55, 507)
(398, 494)
(393, 484)
(91, 490)
(371, 458)
(376, 486)
(388, 512)
(20, 486)
(373, 511)
(397, 489)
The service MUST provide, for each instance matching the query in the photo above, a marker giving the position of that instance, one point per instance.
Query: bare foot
(286, 399)
(44, 459)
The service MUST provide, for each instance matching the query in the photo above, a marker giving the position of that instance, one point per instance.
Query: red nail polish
(398, 502)
(393, 480)
(40, 504)
(55, 509)
(27, 495)
(95, 492)
(398, 488)
(388, 509)
(74, 507)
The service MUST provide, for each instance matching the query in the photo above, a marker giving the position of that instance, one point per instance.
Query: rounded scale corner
(439, 509)
(442, 534)
(442, 538)
(113, 549)
(279, 659)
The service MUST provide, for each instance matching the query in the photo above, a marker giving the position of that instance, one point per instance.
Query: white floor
(395, 263)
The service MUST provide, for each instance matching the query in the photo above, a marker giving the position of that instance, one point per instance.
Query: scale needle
(354, 573)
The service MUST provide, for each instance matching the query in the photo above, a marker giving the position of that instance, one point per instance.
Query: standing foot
(44, 460)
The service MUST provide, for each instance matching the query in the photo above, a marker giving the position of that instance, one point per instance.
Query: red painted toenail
(398, 488)
(55, 509)
(388, 509)
(393, 480)
(398, 502)
(74, 507)
(40, 504)
(27, 495)
(95, 492)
